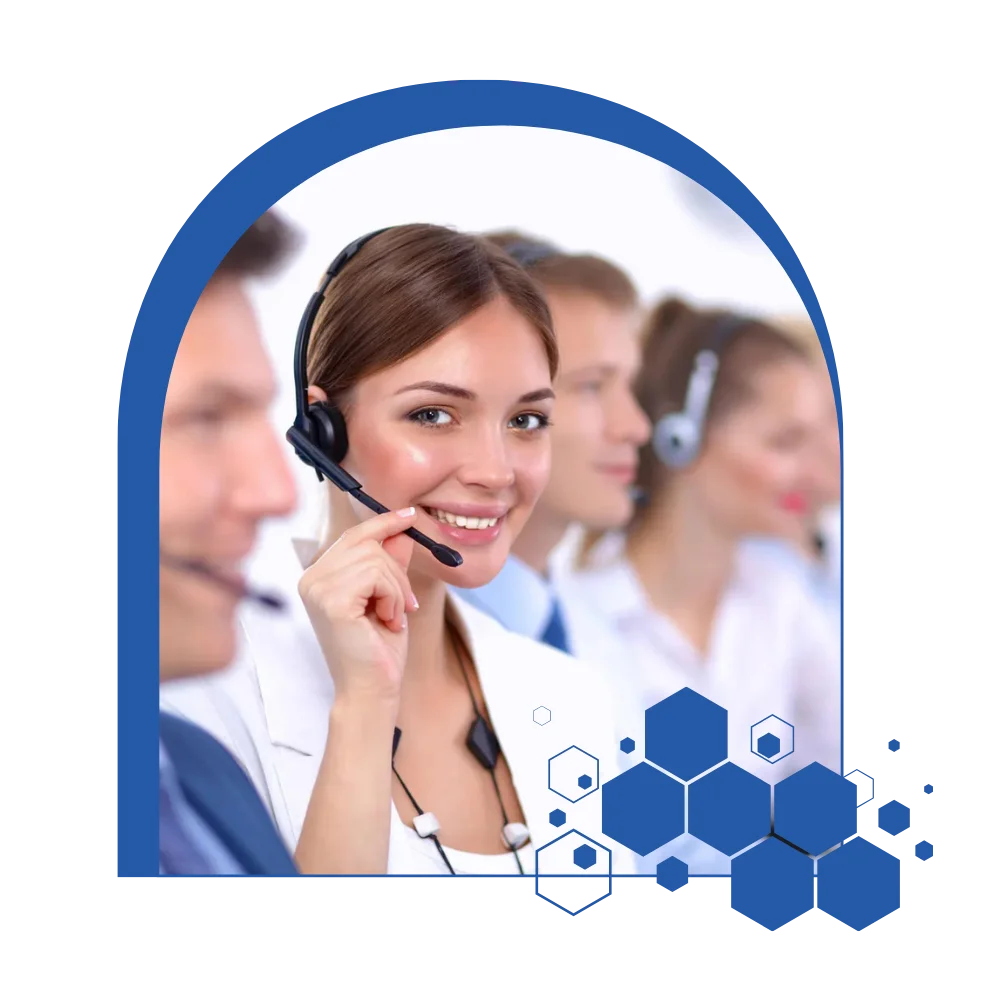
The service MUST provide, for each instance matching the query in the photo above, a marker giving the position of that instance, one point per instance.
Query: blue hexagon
(686, 734)
(627, 745)
(769, 745)
(858, 883)
(585, 856)
(815, 808)
(893, 745)
(729, 808)
(894, 817)
(924, 850)
(772, 883)
(772, 727)
(585, 781)
(672, 873)
(557, 817)
(642, 808)
(928, 789)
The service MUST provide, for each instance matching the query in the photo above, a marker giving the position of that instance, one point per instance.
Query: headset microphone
(206, 572)
(319, 434)
(322, 463)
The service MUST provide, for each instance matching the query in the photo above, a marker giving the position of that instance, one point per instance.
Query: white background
(586, 195)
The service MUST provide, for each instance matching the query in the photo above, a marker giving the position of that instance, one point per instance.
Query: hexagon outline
(753, 740)
(540, 709)
(858, 770)
(547, 899)
(597, 782)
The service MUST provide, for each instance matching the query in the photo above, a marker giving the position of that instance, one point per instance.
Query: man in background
(597, 430)
(222, 471)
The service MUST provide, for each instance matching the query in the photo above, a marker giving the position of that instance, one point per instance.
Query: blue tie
(555, 632)
(178, 853)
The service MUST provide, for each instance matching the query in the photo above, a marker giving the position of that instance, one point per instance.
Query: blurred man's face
(222, 470)
(597, 425)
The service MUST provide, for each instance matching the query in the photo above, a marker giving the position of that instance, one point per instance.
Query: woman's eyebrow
(444, 389)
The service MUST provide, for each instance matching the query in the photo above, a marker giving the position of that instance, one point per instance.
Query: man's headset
(677, 437)
(319, 434)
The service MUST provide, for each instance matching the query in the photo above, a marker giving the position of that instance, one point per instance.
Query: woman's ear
(315, 395)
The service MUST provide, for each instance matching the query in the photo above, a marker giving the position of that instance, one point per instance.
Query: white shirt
(271, 709)
(771, 653)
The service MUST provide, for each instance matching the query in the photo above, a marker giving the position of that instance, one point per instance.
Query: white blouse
(271, 709)
(771, 652)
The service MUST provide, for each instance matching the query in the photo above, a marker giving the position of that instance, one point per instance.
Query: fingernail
(404, 621)
(407, 512)
(416, 603)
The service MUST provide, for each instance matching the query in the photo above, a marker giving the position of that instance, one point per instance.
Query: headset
(677, 436)
(212, 575)
(319, 434)
(528, 253)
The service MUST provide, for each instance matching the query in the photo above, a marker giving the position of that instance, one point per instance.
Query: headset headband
(309, 318)
(528, 253)
(706, 366)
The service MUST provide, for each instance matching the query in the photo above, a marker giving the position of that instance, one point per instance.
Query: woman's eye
(431, 416)
(530, 421)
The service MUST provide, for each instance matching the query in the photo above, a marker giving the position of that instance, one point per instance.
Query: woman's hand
(357, 595)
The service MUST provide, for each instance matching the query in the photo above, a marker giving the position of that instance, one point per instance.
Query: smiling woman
(390, 724)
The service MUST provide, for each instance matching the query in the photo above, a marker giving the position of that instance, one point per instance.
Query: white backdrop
(584, 194)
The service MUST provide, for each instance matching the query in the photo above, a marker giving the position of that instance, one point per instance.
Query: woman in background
(684, 600)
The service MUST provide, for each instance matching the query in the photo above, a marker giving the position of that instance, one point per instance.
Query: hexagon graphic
(542, 715)
(928, 789)
(815, 808)
(642, 808)
(627, 745)
(567, 771)
(560, 879)
(772, 739)
(858, 883)
(729, 808)
(924, 850)
(672, 873)
(893, 745)
(557, 817)
(686, 734)
(772, 883)
(865, 784)
(894, 817)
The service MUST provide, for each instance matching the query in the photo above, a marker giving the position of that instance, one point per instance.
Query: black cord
(420, 812)
(457, 640)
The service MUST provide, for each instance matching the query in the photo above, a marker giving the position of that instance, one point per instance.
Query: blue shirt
(187, 845)
(522, 600)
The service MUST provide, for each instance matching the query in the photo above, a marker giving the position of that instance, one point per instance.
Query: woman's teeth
(461, 521)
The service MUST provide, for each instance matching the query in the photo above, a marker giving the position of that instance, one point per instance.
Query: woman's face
(757, 473)
(459, 431)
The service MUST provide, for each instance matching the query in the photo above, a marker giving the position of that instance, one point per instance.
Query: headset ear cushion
(675, 440)
(330, 430)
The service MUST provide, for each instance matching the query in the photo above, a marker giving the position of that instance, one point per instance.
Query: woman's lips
(794, 502)
(620, 473)
(468, 536)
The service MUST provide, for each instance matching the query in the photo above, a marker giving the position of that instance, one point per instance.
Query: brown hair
(403, 290)
(260, 250)
(558, 271)
(674, 334)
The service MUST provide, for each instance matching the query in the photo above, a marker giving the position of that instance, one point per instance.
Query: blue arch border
(262, 179)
